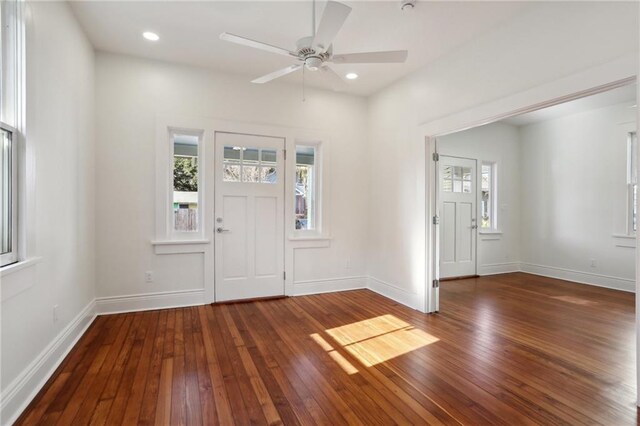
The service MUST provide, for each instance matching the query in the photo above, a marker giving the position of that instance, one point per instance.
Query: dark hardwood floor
(512, 349)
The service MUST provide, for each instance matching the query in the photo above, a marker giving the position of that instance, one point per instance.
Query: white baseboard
(302, 288)
(390, 291)
(21, 391)
(498, 268)
(598, 280)
(149, 301)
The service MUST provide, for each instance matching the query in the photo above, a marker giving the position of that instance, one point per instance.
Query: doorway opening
(549, 192)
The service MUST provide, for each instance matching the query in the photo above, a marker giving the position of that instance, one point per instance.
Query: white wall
(544, 48)
(131, 93)
(59, 203)
(574, 199)
(497, 143)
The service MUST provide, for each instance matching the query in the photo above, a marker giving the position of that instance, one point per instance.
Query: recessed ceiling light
(150, 36)
(351, 76)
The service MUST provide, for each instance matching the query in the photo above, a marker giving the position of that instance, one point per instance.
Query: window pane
(185, 183)
(486, 177)
(305, 187)
(634, 207)
(6, 187)
(486, 202)
(632, 158)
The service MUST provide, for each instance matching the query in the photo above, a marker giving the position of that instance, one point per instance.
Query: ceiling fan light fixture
(151, 36)
(313, 63)
(351, 76)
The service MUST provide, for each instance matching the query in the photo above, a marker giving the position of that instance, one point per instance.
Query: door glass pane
(457, 186)
(466, 187)
(268, 175)
(466, 173)
(232, 154)
(268, 156)
(250, 156)
(231, 173)
(250, 174)
(250, 165)
(457, 172)
(185, 182)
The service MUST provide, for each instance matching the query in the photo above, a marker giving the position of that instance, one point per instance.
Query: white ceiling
(601, 100)
(189, 33)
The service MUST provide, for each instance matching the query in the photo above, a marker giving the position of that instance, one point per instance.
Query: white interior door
(458, 226)
(249, 211)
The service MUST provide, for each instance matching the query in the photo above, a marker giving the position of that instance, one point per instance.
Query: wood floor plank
(508, 349)
(152, 385)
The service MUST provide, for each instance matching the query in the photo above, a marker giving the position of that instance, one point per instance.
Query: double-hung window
(488, 196)
(11, 96)
(632, 182)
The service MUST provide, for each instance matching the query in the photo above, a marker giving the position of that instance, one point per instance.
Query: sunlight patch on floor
(380, 339)
(336, 356)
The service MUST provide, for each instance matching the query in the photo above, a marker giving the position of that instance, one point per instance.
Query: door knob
(221, 230)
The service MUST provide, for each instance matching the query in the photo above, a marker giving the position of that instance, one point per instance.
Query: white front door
(458, 226)
(249, 212)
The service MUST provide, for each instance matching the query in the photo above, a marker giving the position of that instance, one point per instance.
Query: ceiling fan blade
(272, 76)
(332, 20)
(391, 56)
(337, 83)
(255, 44)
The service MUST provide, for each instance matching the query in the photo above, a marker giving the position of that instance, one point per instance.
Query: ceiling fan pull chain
(303, 96)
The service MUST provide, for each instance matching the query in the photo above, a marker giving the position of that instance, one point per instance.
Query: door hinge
(436, 284)
(436, 156)
(284, 275)
(436, 220)
(284, 151)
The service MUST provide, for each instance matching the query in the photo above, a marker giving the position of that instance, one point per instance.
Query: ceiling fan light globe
(313, 63)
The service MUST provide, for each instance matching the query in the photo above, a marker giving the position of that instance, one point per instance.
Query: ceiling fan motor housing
(312, 59)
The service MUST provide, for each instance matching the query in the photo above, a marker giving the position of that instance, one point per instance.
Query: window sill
(312, 237)
(18, 266)
(301, 241)
(178, 242)
(625, 240)
(179, 246)
(624, 236)
(491, 232)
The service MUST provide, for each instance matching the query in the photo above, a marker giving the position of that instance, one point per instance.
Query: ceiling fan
(316, 51)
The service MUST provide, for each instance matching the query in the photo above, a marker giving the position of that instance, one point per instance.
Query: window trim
(493, 198)
(11, 256)
(317, 231)
(12, 119)
(171, 232)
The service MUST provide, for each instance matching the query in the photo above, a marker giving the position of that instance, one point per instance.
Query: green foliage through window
(185, 173)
